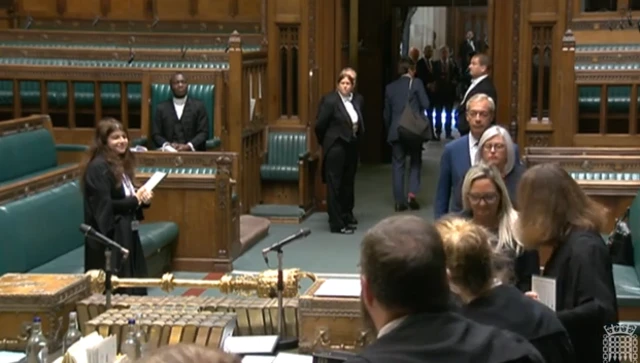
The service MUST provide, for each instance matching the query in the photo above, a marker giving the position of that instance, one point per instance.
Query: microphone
(278, 245)
(89, 232)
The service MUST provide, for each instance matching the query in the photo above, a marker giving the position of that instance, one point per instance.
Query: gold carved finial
(263, 284)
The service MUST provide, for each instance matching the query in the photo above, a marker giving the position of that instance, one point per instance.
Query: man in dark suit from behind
(446, 74)
(182, 121)
(424, 71)
(479, 69)
(396, 95)
(405, 301)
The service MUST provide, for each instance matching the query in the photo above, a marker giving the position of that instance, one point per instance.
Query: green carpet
(325, 252)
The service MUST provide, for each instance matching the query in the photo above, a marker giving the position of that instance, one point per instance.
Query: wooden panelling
(543, 7)
(185, 15)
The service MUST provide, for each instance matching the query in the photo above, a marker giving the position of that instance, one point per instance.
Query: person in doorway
(446, 80)
(339, 124)
(181, 122)
(112, 204)
(479, 69)
(406, 91)
(405, 301)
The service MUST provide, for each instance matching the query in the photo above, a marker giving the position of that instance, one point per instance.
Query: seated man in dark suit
(460, 155)
(182, 121)
(405, 299)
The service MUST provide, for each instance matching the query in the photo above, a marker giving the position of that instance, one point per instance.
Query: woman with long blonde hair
(474, 277)
(485, 201)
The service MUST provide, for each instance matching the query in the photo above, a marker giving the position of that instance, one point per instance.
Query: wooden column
(353, 32)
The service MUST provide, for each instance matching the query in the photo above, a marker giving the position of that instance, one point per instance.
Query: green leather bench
(56, 245)
(84, 94)
(285, 150)
(588, 99)
(201, 47)
(626, 277)
(206, 93)
(24, 155)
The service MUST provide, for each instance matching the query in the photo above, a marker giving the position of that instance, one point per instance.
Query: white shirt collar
(479, 79)
(346, 98)
(180, 101)
(473, 141)
(390, 326)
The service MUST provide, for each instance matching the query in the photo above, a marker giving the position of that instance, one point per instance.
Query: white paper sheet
(10, 357)
(256, 344)
(545, 287)
(155, 179)
(170, 149)
(258, 359)
(293, 358)
(339, 288)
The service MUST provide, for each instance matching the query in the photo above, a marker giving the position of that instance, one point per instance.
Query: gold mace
(263, 284)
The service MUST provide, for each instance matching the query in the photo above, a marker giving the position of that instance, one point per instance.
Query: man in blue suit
(395, 99)
(459, 155)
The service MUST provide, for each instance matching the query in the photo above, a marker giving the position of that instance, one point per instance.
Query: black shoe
(343, 230)
(401, 207)
(413, 204)
(350, 219)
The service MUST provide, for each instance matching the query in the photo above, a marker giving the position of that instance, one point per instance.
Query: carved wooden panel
(541, 56)
(538, 139)
(288, 61)
(515, 62)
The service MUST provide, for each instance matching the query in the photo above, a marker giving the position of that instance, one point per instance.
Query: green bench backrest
(25, 153)
(40, 227)
(634, 226)
(285, 148)
(206, 93)
(112, 63)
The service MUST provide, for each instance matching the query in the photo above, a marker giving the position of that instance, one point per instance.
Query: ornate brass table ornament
(263, 284)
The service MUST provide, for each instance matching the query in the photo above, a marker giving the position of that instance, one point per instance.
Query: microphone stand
(284, 343)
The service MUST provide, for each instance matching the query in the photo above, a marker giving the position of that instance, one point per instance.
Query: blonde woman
(472, 275)
(496, 148)
(485, 200)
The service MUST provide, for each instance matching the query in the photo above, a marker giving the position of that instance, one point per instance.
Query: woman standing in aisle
(112, 205)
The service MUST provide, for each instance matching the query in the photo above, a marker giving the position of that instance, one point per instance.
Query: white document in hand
(545, 287)
(170, 149)
(155, 179)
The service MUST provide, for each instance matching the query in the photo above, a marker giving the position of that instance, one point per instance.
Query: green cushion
(284, 150)
(153, 237)
(58, 94)
(26, 153)
(206, 93)
(627, 285)
(56, 213)
(605, 176)
(57, 246)
(72, 147)
(153, 169)
(589, 99)
(634, 227)
(618, 99)
(31, 44)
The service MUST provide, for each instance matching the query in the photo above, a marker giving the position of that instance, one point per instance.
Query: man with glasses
(460, 155)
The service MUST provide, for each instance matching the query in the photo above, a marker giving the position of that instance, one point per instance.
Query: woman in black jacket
(112, 204)
(555, 212)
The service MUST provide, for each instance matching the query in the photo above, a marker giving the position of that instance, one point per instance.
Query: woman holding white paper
(556, 213)
(112, 205)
